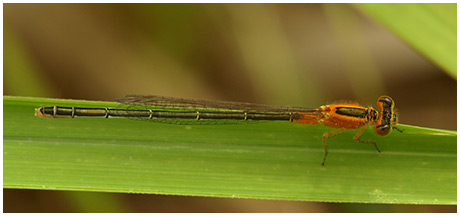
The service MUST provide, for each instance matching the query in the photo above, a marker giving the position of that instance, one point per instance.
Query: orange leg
(328, 134)
(356, 138)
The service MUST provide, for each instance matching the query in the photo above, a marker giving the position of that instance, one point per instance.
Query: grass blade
(278, 160)
(431, 29)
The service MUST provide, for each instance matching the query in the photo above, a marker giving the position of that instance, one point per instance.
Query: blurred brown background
(287, 54)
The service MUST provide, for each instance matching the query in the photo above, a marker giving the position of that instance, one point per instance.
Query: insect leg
(356, 138)
(328, 134)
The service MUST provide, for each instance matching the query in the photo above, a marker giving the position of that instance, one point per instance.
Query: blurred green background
(286, 54)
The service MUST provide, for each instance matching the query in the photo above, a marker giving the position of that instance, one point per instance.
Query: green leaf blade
(431, 29)
(276, 160)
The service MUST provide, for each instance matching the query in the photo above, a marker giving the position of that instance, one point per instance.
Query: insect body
(343, 116)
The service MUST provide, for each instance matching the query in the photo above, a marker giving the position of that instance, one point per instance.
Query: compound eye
(385, 101)
(382, 130)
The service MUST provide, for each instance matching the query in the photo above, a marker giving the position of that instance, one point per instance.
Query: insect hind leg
(329, 134)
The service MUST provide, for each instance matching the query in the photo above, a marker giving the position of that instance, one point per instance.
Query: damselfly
(344, 116)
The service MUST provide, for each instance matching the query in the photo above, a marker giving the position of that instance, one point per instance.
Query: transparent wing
(131, 106)
(172, 102)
